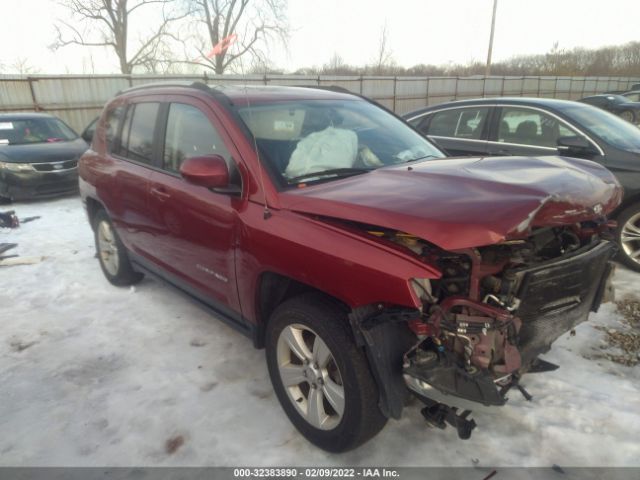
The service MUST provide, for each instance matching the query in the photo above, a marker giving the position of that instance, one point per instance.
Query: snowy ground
(91, 374)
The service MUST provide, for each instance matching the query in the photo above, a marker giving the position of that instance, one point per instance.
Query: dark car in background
(38, 156)
(620, 105)
(536, 127)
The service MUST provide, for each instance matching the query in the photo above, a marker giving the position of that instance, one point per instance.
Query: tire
(340, 367)
(111, 253)
(628, 236)
(628, 115)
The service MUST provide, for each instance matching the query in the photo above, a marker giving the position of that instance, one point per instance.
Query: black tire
(625, 216)
(123, 274)
(361, 418)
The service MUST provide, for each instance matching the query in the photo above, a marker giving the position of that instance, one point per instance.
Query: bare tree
(384, 56)
(108, 23)
(336, 66)
(256, 23)
(22, 66)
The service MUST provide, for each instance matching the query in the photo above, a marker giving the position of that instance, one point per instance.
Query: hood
(43, 152)
(466, 202)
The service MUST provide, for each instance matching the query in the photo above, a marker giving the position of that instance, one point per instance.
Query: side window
(531, 127)
(461, 123)
(190, 134)
(137, 132)
(416, 121)
(112, 122)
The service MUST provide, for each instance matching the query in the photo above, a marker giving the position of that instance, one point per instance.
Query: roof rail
(197, 85)
(331, 88)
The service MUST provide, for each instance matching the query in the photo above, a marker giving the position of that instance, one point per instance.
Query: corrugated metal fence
(77, 99)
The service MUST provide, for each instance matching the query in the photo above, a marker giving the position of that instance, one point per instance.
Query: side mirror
(87, 134)
(208, 171)
(577, 143)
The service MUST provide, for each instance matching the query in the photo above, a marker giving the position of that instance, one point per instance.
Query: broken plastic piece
(9, 220)
(439, 415)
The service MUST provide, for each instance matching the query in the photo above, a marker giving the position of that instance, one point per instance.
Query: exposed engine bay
(495, 309)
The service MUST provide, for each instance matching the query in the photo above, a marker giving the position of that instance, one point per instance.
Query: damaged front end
(485, 322)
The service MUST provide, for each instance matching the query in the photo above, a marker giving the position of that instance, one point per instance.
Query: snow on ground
(92, 374)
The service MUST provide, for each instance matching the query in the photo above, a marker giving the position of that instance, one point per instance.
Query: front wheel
(629, 236)
(321, 378)
(112, 254)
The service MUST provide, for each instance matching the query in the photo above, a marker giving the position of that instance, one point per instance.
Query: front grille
(558, 295)
(56, 166)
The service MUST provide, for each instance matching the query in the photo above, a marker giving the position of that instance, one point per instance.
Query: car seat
(527, 132)
(504, 133)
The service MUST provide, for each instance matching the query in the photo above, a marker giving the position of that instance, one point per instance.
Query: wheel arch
(627, 202)
(272, 290)
(93, 207)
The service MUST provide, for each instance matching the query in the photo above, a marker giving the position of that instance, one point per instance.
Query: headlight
(16, 167)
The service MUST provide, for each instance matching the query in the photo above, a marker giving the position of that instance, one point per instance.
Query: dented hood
(466, 202)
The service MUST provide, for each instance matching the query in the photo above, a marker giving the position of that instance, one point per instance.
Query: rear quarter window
(138, 132)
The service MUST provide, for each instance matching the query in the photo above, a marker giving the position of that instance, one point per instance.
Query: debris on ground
(9, 219)
(625, 341)
(15, 260)
(4, 247)
(29, 219)
(630, 310)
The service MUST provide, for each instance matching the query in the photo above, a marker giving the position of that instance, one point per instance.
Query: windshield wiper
(334, 172)
(425, 157)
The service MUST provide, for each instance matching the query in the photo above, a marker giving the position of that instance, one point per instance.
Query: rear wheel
(112, 254)
(629, 236)
(628, 115)
(321, 378)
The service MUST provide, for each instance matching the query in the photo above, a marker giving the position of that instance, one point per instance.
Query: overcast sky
(419, 31)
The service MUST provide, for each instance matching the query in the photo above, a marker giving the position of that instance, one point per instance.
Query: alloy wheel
(310, 376)
(107, 248)
(627, 115)
(630, 238)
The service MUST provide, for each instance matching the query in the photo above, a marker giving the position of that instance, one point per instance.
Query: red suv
(331, 233)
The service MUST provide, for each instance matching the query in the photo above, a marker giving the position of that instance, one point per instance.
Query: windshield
(610, 128)
(323, 139)
(34, 130)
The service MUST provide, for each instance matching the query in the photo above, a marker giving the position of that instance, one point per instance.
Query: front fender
(354, 269)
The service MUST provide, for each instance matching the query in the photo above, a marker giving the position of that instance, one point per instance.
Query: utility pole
(487, 72)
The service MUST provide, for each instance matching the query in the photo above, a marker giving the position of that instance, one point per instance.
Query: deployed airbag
(327, 149)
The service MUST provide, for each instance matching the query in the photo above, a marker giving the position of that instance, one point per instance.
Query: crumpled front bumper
(554, 296)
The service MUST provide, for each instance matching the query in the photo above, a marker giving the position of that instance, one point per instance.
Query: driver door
(195, 226)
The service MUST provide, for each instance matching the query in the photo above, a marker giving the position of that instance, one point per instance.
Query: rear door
(134, 156)
(195, 227)
(458, 131)
(525, 131)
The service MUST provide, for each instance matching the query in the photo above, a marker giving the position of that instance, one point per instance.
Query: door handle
(504, 152)
(160, 193)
